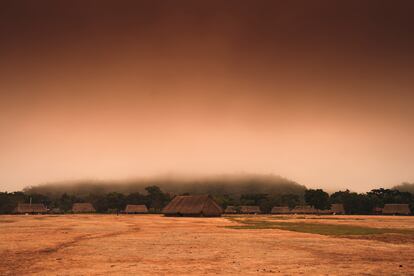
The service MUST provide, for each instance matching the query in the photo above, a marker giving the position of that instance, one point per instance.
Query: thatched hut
(196, 205)
(304, 209)
(28, 208)
(136, 209)
(338, 209)
(280, 210)
(396, 209)
(324, 212)
(231, 210)
(83, 208)
(55, 211)
(377, 211)
(250, 210)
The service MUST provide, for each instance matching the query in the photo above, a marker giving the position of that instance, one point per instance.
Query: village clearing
(240, 245)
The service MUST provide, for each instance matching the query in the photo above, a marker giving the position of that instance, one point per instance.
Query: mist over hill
(215, 185)
(405, 187)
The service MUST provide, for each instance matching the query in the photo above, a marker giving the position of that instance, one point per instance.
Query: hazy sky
(320, 92)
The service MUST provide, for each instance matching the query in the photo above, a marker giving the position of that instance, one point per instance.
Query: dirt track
(152, 244)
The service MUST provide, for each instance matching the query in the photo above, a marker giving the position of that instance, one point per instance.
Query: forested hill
(215, 185)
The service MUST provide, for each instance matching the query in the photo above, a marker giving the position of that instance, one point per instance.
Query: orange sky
(319, 93)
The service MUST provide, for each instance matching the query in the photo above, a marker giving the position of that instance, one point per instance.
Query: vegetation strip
(318, 228)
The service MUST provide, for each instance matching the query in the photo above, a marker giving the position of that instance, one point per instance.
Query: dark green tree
(136, 198)
(354, 203)
(39, 198)
(115, 201)
(156, 198)
(225, 200)
(290, 200)
(9, 201)
(317, 198)
(65, 202)
(252, 199)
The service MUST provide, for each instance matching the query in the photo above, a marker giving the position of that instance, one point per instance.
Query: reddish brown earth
(152, 244)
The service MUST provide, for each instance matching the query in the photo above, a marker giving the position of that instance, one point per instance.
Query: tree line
(354, 203)
(155, 199)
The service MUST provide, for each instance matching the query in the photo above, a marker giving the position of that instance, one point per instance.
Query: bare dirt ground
(157, 245)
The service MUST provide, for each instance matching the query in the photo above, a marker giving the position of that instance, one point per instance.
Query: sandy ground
(157, 245)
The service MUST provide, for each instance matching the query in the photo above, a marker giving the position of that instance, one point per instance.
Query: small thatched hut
(304, 209)
(280, 210)
(136, 209)
(83, 208)
(396, 209)
(338, 209)
(197, 205)
(55, 211)
(250, 210)
(231, 210)
(27, 208)
(377, 211)
(324, 212)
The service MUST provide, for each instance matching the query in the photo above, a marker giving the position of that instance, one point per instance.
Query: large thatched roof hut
(280, 210)
(83, 208)
(338, 209)
(136, 209)
(250, 210)
(196, 205)
(27, 208)
(396, 209)
(304, 209)
(231, 210)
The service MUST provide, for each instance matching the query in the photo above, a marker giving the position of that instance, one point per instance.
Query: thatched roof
(197, 205)
(338, 208)
(83, 208)
(280, 210)
(396, 209)
(324, 212)
(35, 208)
(136, 209)
(304, 209)
(250, 210)
(231, 210)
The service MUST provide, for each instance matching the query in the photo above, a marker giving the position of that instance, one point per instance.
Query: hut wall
(396, 209)
(280, 210)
